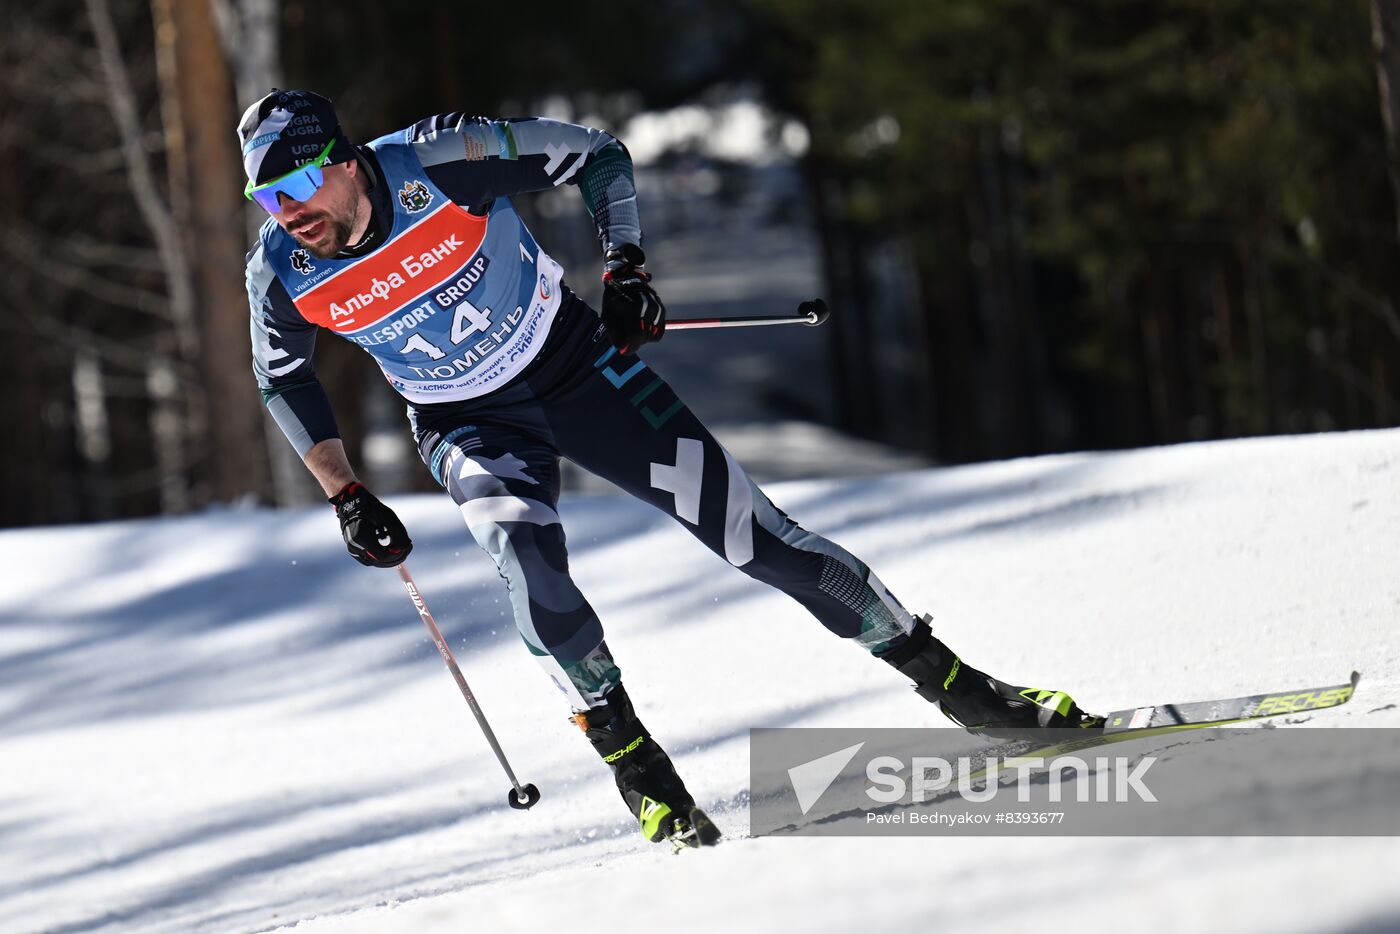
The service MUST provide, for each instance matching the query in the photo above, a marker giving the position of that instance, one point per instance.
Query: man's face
(325, 222)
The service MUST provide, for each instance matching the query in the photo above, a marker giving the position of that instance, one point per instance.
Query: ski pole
(520, 796)
(810, 313)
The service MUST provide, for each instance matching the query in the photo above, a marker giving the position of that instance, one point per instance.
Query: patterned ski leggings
(609, 413)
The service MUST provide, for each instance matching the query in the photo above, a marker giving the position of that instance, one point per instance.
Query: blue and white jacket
(452, 297)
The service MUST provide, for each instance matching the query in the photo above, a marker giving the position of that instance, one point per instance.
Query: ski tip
(1355, 679)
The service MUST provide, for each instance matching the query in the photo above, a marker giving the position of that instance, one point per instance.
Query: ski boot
(976, 701)
(645, 776)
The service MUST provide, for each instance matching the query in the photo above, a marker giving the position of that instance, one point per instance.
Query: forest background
(1043, 227)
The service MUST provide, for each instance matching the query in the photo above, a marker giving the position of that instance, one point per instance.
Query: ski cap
(287, 129)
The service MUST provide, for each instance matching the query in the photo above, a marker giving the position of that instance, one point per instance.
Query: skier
(409, 247)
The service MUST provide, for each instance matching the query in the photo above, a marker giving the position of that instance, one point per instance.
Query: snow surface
(222, 723)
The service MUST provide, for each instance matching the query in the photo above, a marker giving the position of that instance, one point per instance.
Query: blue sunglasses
(299, 184)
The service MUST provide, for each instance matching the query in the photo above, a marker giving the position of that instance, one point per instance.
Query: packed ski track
(220, 723)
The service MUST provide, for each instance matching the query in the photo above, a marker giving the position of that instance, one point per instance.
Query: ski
(1231, 710)
(1137, 723)
(1158, 719)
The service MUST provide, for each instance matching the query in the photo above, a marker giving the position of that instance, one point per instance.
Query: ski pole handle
(810, 313)
(521, 796)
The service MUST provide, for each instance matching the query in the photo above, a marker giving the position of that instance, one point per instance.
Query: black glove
(373, 534)
(632, 312)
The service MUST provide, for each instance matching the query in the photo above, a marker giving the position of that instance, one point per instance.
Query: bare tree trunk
(121, 101)
(1152, 323)
(198, 115)
(155, 212)
(248, 30)
(26, 474)
(249, 35)
(1385, 40)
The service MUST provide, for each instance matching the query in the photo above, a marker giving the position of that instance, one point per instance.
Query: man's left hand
(632, 311)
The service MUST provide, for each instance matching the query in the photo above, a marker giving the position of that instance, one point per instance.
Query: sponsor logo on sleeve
(474, 150)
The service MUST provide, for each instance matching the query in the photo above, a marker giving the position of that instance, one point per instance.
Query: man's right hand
(373, 534)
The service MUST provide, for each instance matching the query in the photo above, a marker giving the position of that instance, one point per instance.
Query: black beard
(340, 237)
